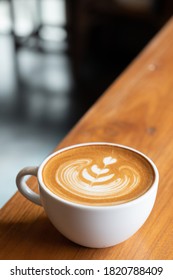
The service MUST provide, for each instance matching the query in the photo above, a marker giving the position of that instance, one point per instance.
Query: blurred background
(56, 58)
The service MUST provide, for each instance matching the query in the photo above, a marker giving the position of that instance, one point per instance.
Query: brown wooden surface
(137, 110)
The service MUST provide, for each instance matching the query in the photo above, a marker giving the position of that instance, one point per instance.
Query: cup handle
(23, 187)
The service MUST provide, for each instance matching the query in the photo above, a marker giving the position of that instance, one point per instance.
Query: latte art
(84, 177)
(98, 175)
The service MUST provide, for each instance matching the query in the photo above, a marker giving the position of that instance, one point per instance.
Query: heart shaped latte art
(98, 174)
(85, 178)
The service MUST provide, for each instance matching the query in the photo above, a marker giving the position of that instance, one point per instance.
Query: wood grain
(136, 110)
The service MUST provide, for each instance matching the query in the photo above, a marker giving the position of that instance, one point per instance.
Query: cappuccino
(98, 175)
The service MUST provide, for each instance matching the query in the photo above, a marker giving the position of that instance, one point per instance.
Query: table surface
(136, 110)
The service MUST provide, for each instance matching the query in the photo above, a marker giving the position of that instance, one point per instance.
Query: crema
(98, 175)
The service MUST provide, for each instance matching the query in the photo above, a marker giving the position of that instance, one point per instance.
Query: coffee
(98, 175)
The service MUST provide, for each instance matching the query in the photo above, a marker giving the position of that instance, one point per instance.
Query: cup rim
(80, 205)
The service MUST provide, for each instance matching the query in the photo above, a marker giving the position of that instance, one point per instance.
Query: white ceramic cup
(91, 226)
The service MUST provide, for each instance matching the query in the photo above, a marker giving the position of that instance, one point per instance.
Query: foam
(98, 175)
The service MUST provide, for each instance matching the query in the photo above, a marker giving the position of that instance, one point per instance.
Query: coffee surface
(98, 175)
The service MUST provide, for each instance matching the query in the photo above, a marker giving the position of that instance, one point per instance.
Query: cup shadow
(34, 239)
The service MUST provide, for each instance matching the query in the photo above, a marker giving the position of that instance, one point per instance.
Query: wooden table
(137, 110)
